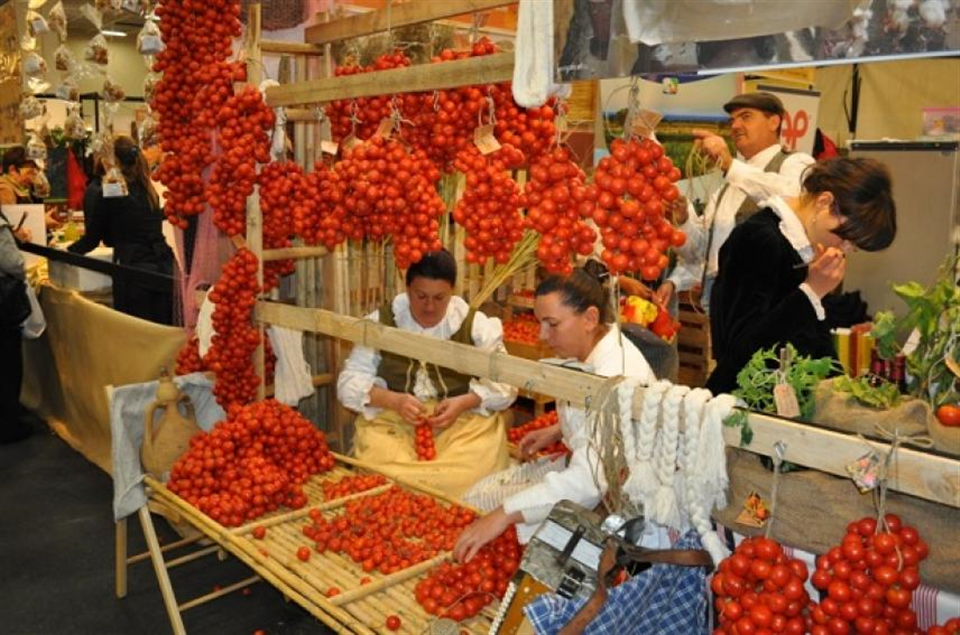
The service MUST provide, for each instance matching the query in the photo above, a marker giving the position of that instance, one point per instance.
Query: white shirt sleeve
(814, 300)
(760, 185)
(688, 270)
(487, 335)
(358, 376)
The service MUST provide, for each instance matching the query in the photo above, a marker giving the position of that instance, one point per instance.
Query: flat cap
(766, 102)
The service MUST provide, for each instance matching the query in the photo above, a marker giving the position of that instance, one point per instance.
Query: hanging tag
(113, 190)
(385, 129)
(865, 471)
(350, 143)
(786, 400)
(330, 147)
(643, 123)
(484, 140)
(755, 512)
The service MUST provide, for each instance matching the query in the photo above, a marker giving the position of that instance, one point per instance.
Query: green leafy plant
(883, 395)
(934, 314)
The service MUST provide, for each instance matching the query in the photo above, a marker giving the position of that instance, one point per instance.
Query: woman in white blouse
(576, 317)
(393, 394)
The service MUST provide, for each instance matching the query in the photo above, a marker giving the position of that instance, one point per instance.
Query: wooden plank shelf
(486, 69)
(394, 16)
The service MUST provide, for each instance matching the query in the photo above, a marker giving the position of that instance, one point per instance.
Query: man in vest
(762, 169)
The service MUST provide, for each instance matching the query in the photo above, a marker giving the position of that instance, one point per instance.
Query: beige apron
(470, 449)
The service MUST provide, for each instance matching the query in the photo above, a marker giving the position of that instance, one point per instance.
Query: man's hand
(677, 210)
(448, 410)
(608, 560)
(51, 219)
(715, 147)
(408, 407)
(23, 234)
(827, 270)
(662, 295)
(535, 440)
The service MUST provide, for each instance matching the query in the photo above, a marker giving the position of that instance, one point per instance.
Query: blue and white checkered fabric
(664, 599)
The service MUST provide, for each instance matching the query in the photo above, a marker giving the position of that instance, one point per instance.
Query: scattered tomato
(949, 415)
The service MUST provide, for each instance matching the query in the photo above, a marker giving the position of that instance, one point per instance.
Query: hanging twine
(603, 421)
(779, 450)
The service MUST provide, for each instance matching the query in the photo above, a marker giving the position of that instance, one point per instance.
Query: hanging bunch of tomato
(369, 111)
(196, 81)
(557, 203)
(532, 130)
(460, 591)
(188, 358)
(230, 355)
(319, 216)
(389, 531)
(630, 188)
(251, 463)
(282, 186)
(759, 589)
(243, 136)
(390, 191)
(488, 210)
(869, 580)
(423, 441)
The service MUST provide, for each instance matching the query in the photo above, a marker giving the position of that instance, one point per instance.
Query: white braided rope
(711, 452)
(641, 484)
(665, 510)
(693, 405)
(628, 431)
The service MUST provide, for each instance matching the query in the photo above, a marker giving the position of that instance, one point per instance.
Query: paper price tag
(484, 140)
(114, 190)
(150, 45)
(350, 143)
(755, 512)
(329, 147)
(786, 400)
(385, 129)
(865, 471)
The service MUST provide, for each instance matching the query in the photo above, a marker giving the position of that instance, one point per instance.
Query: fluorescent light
(114, 33)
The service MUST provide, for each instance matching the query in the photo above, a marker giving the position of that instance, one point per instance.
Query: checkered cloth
(664, 599)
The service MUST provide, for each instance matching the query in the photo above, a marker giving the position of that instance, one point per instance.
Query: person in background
(393, 394)
(576, 320)
(776, 267)
(13, 426)
(18, 174)
(132, 225)
(762, 169)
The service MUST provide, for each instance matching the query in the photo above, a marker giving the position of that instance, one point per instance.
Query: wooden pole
(254, 215)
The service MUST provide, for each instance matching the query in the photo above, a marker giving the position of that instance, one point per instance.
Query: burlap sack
(840, 411)
(813, 510)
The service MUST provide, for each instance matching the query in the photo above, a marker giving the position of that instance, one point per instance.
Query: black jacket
(757, 302)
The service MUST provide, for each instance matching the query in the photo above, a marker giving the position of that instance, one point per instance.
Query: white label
(113, 190)
(329, 147)
(557, 536)
(484, 140)
(150, 45)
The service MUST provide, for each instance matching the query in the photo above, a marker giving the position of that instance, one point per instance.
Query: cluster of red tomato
(951, 627)
(523, 328)
(869, 580)
(515, 435)
(319, 216)
(557, 201)
(460, 591)
(488, 209)
(390, 531)
(189, 360)
(392, 191)
(196, 81)
(244, 123)
(282, 185)
(758, 589)
(423, 440)
(236, 338)
(351, 485)
(630, 188)
(369, 111)
(251, 463)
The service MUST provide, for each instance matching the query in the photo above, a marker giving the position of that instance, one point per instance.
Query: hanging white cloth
(533, 62)
(292, 379)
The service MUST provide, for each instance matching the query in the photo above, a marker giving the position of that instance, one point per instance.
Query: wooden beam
(288, 253)
(486, 69)
(920, 474)
(394, 16)
(278, 47)
(254, 215)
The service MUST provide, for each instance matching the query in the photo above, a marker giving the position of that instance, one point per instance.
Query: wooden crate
(693, 346)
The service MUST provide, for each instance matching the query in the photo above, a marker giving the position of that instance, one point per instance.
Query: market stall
(317, 192)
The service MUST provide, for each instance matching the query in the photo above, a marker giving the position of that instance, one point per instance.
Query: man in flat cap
(761, 169)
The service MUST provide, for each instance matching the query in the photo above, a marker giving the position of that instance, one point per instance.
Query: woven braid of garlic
(665, 510)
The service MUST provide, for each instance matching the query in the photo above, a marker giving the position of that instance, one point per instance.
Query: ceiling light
(114, 33)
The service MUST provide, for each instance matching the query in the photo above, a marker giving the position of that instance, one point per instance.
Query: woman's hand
(535, 440)
(827, 270)
(448, 410)
(482, 531)
(663, 294)
(409, 408)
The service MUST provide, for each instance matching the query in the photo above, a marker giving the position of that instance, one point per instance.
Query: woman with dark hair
(394, 394)
(778, 265)
(132, 225)
(576, 319)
